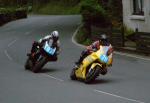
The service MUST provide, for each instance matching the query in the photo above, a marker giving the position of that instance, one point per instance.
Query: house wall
(136, 21)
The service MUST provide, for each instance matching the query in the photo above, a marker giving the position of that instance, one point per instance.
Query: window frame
(140, 7)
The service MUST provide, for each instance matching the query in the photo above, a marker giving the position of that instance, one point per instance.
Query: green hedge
(9, 14)
(56, 7)
(93, 11)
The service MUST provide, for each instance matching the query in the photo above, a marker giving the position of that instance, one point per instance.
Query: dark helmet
(104, 39)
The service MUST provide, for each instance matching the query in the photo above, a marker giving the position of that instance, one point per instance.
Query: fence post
(122, 33)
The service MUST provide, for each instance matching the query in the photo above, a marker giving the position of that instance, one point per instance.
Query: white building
(136, 14)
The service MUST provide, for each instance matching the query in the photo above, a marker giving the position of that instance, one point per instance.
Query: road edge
(116, 52)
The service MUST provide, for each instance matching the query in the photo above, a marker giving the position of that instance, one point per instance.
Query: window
(138, 7)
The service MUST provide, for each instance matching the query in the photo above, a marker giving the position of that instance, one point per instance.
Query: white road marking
(11, 43)
(53, 77)
(117, 96)
(9, 57)
(133, 56)
(27, 33)
(73, 38)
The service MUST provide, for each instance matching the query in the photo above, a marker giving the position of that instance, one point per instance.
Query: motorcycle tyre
(28, 65)
(92, 75)
(38, 66)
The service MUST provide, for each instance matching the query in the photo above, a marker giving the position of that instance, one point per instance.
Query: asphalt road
(128, 81)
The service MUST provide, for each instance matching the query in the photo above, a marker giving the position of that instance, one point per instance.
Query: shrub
(80, 37)
(128, 31)
(92, 11)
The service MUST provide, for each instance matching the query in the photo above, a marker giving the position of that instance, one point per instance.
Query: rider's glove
(94, 49)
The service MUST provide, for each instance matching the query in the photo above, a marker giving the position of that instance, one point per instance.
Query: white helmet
(55, 35)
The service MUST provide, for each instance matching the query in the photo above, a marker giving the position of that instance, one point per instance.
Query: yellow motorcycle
(94, 64)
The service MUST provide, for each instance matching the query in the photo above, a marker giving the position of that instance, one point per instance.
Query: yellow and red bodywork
(81, 71)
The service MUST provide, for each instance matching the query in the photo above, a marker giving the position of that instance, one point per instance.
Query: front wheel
(28, 64)
(92, 74)
(38, 66)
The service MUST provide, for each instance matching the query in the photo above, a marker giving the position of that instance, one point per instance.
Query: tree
(6, 3)
(93, 14)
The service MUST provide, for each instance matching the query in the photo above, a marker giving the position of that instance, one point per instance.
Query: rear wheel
(28, 64)
(92, 74)
(38, 66)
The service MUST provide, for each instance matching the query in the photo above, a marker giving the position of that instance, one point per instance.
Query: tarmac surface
(127, 81)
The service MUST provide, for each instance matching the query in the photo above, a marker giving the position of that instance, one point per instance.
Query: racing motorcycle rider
(94, 47)
(53, 40)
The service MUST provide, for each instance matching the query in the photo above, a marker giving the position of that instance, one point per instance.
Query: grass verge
(56, 8)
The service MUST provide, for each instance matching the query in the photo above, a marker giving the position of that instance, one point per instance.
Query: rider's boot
(78, 63)
(83, 55)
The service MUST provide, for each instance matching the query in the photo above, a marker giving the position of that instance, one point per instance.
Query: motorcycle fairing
(48, 49)
(81, 71)
(95, 64)
(103, 58)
